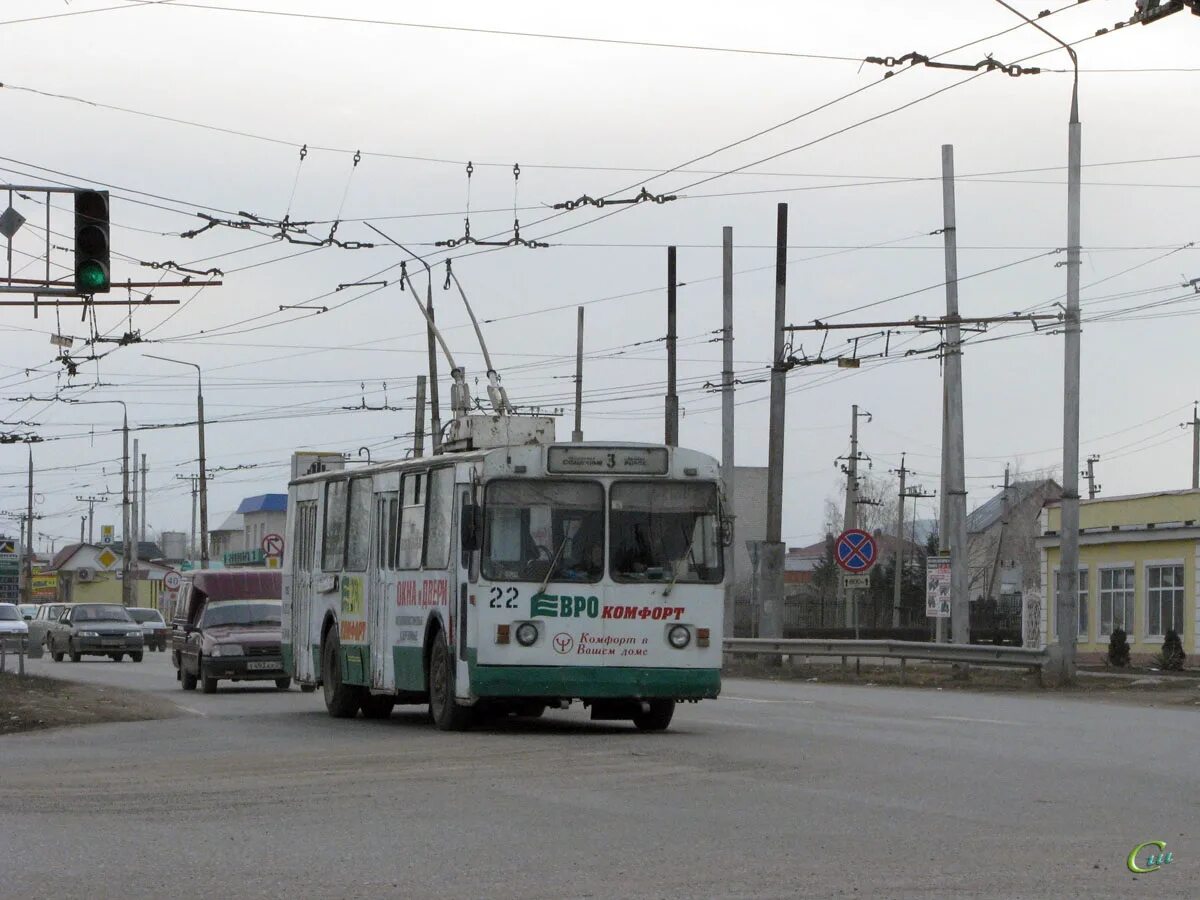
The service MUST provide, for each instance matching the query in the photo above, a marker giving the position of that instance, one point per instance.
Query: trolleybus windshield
(544, 531)
(666, 531)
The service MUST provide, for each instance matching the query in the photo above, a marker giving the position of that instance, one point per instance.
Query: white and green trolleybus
(509, 580)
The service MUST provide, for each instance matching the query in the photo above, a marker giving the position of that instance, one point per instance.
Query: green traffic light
(92, 276)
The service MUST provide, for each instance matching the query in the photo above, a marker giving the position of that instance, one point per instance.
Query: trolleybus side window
(544, 529)
(387, 521)
(440, 515)
(412, 520)
(306, 533)
(358, 538)
(665, 531)
(333, 535)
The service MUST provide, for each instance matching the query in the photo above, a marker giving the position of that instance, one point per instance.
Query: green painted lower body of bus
(593, 682)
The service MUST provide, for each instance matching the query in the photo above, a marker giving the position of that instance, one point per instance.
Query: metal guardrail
(968, 654)
(9, 643)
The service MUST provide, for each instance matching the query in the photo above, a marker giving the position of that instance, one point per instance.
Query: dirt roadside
(1149, 690)
(30, 702)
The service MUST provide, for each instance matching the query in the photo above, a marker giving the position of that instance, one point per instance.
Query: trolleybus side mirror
(726, 531)
(472, 526)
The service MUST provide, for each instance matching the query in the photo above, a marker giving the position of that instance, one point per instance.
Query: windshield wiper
(553, 563)
(686, 553)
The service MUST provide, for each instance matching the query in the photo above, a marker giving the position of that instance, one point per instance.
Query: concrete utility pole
(672, 405)
(126, 535)
(142, 520)
(90, 518)
(82, 525)
(728, 471)
(770, 568)
(419, 425)
(897, 576)
(850, 514)
(1195, 426)
(28, 592)
(1090, 475)
(1067, 596)
(577, 434)
(136, 515)
(954, 489)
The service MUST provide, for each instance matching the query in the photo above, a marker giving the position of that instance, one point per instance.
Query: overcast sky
(864, 206)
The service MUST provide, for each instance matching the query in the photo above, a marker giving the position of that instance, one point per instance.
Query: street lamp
(127, 597)
(1067, 597)
(203, 475)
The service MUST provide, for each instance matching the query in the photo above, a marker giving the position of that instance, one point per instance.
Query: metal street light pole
(1067, 595)
(203, 472)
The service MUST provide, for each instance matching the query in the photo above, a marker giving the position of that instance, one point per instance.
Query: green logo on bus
(550, 606)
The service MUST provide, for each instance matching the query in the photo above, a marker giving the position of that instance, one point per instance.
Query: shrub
(1172, 655)
(1118, 649)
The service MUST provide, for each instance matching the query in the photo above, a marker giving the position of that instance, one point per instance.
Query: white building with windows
(1139, 556)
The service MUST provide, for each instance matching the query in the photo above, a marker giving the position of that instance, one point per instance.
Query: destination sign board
(571, 460)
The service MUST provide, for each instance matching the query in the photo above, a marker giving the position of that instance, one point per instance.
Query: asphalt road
(775, 790)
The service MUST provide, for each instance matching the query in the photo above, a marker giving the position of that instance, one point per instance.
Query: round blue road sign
(855, 551)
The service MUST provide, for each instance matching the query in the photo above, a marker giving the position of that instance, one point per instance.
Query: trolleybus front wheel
(447, 715)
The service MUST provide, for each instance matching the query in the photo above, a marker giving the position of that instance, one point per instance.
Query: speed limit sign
(172, 581)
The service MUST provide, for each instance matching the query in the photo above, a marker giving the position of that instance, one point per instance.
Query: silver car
(47, 614)
(95, 629)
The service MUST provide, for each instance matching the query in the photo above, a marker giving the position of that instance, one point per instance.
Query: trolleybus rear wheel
(341, 699)
(658, 718)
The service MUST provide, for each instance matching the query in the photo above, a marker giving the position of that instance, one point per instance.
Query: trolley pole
(897, 577)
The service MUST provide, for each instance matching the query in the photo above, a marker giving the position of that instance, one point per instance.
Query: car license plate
(262, 664)
(108, 643)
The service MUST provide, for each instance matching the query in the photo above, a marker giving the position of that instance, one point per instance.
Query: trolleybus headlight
(679, 636)
(527, 634)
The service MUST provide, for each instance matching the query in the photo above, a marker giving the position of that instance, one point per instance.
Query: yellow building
(90, 573)
(1138, 560)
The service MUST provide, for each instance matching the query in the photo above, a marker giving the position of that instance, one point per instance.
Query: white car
(11, 620)
(154, 630)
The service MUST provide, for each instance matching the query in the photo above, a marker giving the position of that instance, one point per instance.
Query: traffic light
(91, 243)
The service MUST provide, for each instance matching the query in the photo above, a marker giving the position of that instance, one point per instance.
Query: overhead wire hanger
(515, 241)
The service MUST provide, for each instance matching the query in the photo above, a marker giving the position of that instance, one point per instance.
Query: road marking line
(194, 712)
(969, 719)
(760, 700)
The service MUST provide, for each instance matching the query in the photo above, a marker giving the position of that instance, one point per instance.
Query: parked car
(95, 629)
(154, 629)
(11, 621)
(230, 627)
(47, 614)
(27, 610)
